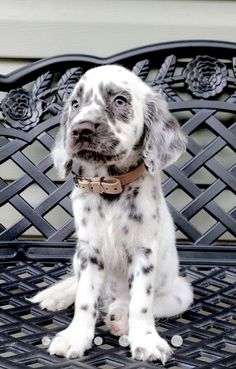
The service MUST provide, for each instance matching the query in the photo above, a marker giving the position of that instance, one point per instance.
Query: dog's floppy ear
(60, 157)
(163, 139)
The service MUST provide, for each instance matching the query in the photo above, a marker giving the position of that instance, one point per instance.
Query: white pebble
(176, 341)
(98, 341)
(124, 341)
(46, 341)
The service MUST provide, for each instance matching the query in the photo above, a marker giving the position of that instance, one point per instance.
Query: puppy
(126, 258)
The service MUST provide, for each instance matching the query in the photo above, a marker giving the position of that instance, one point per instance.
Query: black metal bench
(36, 242)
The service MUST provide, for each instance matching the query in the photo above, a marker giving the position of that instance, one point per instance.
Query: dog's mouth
(89, 150)
(98, 156)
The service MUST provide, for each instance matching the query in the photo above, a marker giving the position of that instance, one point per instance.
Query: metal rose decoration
(205, 76)
(22, 109)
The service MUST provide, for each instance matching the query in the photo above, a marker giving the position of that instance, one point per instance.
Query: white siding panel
(30, 29)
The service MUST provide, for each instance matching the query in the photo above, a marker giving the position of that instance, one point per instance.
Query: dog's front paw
(71, 343)
(149, 347)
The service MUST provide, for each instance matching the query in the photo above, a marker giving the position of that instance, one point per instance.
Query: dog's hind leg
(117, 317)
(116, 304)
(58, 296)
(175, 301)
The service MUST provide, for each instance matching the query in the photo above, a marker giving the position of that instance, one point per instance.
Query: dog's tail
(177, 300)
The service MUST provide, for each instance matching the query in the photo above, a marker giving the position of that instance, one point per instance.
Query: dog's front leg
(145, 342)
(78, 337)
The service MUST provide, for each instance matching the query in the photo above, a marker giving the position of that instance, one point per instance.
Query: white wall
(35, 29)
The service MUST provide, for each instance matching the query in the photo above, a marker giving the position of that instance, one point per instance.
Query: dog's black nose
(83, 129)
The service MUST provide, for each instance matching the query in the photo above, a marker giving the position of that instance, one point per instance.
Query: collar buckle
(111, 185)
(99, 185)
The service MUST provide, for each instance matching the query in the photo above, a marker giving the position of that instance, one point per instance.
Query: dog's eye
(120, 101)
(75, 104)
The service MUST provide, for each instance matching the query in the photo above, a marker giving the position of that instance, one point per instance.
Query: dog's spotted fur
(126, 257)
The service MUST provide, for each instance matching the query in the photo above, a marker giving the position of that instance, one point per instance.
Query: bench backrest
(198, 79)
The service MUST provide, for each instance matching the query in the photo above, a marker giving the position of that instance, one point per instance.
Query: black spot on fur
(125, 230)
(136, 217)
(134, 214)
(110, 197)
(80, 171)
(94, 314)
(130, 259)
(99, 263)
(68, 166)
(149, 289)
(154, 193)
(100, 212)
(148, 269)
(84, 307)
(87, 209)
(84, 222)
(148, 332)
(133, 207)
(130, 280)
(83, 263)
(136, 191)
(114, 171)
(93, 260)
(80, 89)
(145, 250)
(132, 195)
(112, 317)
(144, 310)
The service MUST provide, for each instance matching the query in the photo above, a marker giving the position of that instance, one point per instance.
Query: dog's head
(112, 116)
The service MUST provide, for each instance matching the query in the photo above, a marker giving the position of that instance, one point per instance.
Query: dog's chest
(115, 227)
(117, 236)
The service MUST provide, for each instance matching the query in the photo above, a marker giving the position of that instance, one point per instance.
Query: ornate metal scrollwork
(22, 109)
(205, 76)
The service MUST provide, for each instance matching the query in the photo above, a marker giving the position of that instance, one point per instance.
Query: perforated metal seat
(37, 230)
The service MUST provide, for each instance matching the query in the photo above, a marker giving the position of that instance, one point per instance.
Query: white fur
(169, 294)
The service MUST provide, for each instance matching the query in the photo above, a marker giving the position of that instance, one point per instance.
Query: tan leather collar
(111, 185)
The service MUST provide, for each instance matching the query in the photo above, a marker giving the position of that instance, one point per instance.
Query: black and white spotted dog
(126, 256)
